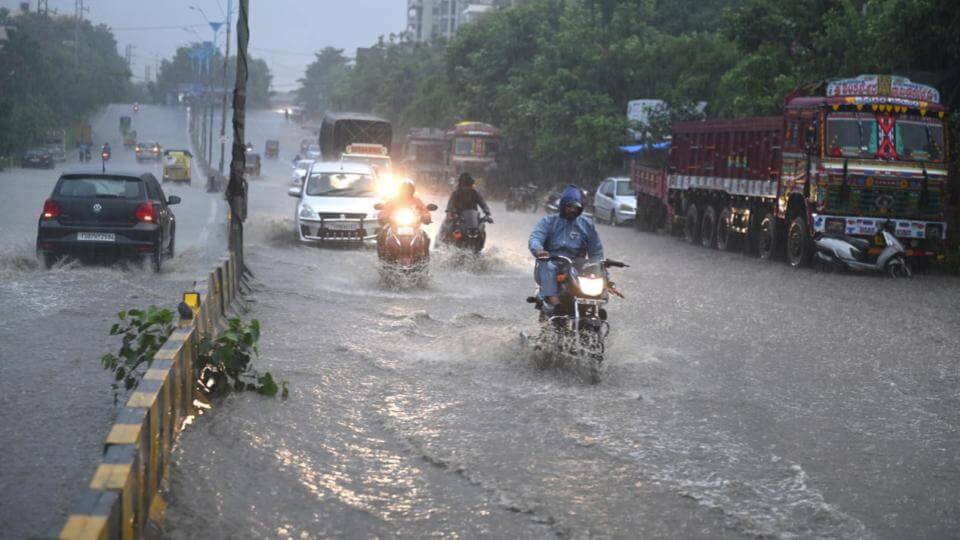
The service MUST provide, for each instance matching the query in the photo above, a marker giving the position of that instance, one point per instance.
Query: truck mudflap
(869, 226)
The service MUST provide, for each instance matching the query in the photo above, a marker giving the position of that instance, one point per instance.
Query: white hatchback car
(300, 169)
(615, 201)
(336, 203)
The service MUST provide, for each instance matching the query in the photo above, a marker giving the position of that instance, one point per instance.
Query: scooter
(403, 247)
(843, 251)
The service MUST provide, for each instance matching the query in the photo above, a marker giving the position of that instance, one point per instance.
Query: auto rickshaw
(272, 149)
(176, 166)
(252, 164)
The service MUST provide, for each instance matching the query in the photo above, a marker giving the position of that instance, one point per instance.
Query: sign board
(882, 86)
(367, 149)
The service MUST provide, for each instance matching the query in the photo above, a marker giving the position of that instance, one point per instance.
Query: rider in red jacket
(405, 199)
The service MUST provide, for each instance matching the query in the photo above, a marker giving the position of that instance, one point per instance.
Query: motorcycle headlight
(405, 217)
(307, 212)
(591, 286)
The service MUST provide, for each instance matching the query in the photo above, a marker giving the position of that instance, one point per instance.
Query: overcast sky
(283, 32)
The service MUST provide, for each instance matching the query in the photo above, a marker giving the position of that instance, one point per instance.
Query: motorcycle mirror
(432, 207)
(378, 206)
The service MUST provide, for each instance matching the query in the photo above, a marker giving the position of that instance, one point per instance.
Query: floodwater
(739, 399)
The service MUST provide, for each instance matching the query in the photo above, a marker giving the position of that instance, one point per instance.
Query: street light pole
(223, 90)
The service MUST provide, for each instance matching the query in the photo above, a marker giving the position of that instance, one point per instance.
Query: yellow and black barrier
(123, 493)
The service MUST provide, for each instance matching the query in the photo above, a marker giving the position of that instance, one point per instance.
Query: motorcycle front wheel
(897, 268)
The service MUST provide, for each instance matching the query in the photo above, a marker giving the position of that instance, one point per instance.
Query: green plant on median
(144, 332)
(225, 362)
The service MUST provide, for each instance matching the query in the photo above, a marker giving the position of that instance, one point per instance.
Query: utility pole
(43, 7)
(128, 56)
(223, 109)
(76, 30)
(236, 193)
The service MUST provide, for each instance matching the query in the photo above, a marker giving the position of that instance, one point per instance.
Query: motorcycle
(403, 247)
(843, 251)
(84, 154)
(104, 158)
(577, 326)
(469, 231)
(522, 198)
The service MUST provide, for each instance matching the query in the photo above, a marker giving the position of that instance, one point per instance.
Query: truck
(84, 135)
(847, 156)
(339, 129)
(425, 155)
(125, 123)
(473, 148)
(55, 142)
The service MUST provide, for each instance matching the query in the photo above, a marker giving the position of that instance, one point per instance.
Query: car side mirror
(294, 192)
(378, 206)
(173, 199)
(432, 207)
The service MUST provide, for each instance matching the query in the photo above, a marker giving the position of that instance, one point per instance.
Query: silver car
(615, 201)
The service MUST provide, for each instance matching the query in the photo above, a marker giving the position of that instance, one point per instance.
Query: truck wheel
(726, 238)
(691, 225)
(767, 236)
(708, 228)
(799, 247)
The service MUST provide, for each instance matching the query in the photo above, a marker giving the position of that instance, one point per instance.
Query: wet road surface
(55, 400)
(739, 399)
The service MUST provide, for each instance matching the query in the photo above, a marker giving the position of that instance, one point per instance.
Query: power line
(142, 28)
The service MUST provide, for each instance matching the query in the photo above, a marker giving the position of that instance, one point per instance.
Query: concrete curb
(136, 456)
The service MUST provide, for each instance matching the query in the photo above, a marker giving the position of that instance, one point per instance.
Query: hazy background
(285, 33)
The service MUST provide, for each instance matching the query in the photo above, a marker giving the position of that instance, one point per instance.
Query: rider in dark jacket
(465, 197)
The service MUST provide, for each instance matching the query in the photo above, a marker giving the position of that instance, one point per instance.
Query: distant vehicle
(177, 166)
(336, 203)
(56, 143)
(130, 139)
(425, 156)
(37, 158)
(304, 144)
(272, 149)
(125, 124)
(299, 173)
(338, 130)
(522, 198)
(615, 201)
(115, 213)
(136, 107)
(148, 151)
(252, 164)
(473, 148)
(313, 151)
(374, 155)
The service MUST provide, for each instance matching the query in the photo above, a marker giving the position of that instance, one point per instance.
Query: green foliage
(182, 69)
(144, 332)
(225, 362)
(45, 85)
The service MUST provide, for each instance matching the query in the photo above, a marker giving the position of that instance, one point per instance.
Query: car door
(599, 202)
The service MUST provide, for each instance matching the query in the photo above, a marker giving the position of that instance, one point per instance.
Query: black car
(112, 213)
(39, 158)
(147, 151)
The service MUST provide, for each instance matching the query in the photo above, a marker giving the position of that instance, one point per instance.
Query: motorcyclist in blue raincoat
(566, 233)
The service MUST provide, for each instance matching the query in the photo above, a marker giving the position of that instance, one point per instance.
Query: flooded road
(739, 399)
(55, 399)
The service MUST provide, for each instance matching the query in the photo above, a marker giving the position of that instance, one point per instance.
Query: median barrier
(124, 491)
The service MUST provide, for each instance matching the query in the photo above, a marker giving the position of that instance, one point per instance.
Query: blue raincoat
(574, 238)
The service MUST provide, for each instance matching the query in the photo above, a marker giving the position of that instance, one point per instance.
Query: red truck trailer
(846, 156)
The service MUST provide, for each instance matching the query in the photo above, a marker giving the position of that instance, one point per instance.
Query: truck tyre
(799, 244)
(726, 238)
(708, 228)
(767, 236)
(691, 225)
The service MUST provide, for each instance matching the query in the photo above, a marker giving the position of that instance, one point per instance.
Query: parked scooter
(843, 251)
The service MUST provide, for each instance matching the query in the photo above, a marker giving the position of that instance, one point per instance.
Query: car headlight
(591, 286)
(307, 212)
(405, 217)
(627, 208)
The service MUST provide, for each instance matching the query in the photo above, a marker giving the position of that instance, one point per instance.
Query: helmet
(407, 184)
(465, 180)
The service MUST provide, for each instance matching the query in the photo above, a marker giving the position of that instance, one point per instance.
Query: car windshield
(919, 139)
(340, 184)
(625, 189)
(102, 188)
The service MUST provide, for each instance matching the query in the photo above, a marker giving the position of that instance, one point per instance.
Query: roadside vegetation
(181, 70)
(46, 82)
(556, 75)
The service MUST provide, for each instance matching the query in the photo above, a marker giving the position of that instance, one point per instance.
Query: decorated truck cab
(848, 156)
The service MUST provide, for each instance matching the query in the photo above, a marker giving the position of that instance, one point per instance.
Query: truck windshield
(340, 185)
(919, 139)
(851, 135)
(463, 146)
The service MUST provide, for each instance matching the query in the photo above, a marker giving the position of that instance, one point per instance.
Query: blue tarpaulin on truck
(637, 148)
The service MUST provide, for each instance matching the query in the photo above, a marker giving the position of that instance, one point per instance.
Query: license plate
(96, 237)
(341, 226)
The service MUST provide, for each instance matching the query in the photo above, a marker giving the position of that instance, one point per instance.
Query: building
(432, 19)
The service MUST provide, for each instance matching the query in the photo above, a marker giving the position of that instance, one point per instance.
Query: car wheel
(156, 258)
(767, 236)
(708, 228)
(173, 242)
(691, 225)
(48, 260)
(799, 247)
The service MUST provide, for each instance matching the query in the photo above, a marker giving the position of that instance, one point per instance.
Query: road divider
(124, 491)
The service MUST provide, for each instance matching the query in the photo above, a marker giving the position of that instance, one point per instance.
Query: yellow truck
(176, 166)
